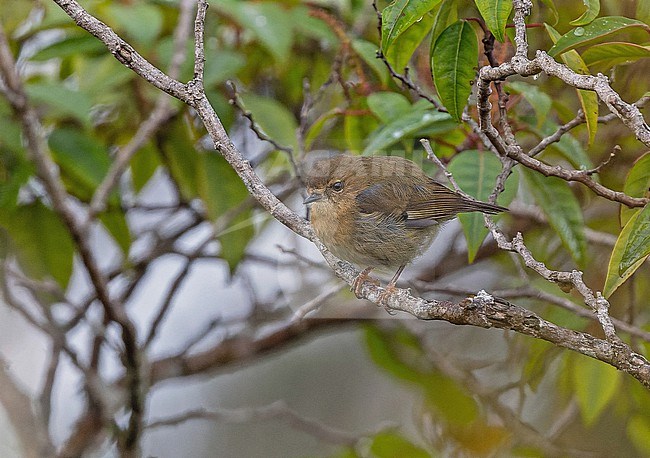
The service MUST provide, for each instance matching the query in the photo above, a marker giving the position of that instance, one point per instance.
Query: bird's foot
(358, 282)
(385, 294)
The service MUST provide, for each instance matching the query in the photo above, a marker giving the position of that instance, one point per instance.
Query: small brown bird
(379, 211)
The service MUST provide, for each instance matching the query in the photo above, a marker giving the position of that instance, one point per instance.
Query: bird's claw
(358, 282)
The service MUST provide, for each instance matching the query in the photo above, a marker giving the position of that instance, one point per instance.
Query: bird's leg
(390, 288)
(363, 277)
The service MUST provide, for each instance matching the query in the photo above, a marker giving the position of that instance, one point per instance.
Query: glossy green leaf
(638, 243)
(562, 211)
(397, 17)
(142, 22)
(454, 59)
(446, 14)
(588, 99)
(637, 184)
(607, 55)
(403, 47)
(221, 190)
(404, 127)
(274, 119)
(268, 21)
(388, 106)
(495, 13)
(42, 243)
(393, 445)
(70, 46)
(591, 13)
(83, 160)
(550, 4)
(614, 277)
(368, 52)
(540, 101)
(476, 172)
(62, 101)
(595, 385)
(598, 29)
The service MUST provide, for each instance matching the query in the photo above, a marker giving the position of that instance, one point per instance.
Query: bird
(378, 211)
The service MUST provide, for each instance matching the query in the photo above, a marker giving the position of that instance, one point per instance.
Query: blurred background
(217, 289)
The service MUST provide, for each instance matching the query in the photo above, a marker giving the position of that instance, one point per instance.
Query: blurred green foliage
(90, 105)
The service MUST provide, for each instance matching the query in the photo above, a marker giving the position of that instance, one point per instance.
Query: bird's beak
(313, 197)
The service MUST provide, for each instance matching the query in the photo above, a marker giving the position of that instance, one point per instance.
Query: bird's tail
(483, 207)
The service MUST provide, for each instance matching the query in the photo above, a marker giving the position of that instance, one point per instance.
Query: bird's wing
(418, 205)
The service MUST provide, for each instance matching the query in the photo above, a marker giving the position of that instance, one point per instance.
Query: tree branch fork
(483, 310)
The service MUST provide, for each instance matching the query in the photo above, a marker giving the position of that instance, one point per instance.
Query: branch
(482, 311)
(48, 172)
(275, 411)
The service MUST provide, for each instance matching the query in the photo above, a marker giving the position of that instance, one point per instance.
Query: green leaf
(43, 245)
(540, 101)
(453, 59)
(62, 101)
(572, 150)
(402, 48)
(495, 13)
(115, 223)
(397, 353)
(141, 21)
(222, 190)
(83, 160)
(637, 184)
(445, 15)
(638, 430)
(550, 4)
(143, 165)
(388, 106)
(598, 29)
(399, 16)
(591, 13)
(562, 211)
(268, 21)
(404, 127)
(595, 385)
(70, 46)
(476, 172)
(638, 243)
(317, 126)
(353, 132)
(368, 52)
(274, 119)
(14, 173)
(643, 10)
(221, 66)
(393, 445)
(614, 277)
(181, 157)
(607, 55)
(588, 99)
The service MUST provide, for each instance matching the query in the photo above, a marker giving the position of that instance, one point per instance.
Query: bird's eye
(337, 186)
